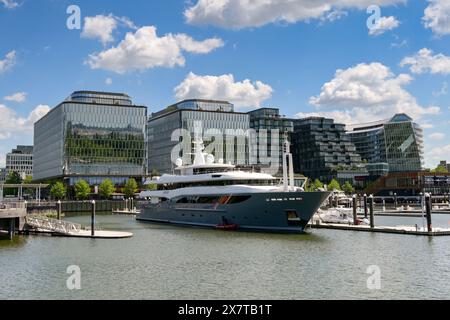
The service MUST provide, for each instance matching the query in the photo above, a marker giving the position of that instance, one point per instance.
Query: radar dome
(179, 162)
(209, 159)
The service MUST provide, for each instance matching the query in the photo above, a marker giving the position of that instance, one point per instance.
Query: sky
(356, 61)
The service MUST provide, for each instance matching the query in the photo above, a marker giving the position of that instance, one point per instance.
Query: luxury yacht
(217, 195)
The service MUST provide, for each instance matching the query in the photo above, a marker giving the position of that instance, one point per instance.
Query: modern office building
(216, 121)
(445, 165)
(20, 160)
(395, 144)
(321, 150)
(268, 121)
(91, 136)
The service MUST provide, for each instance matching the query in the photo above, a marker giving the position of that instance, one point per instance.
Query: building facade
(321, 150)
(216, 122)
(2, 175)
(20, 160)
(445, 165)
(396, 143)
(91, 136)
(266, 122)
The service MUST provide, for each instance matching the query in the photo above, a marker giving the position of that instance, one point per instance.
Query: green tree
(106, 188)
(82, 190)
(440, 169)
(58, 190)
(28, 179)
(130, 188)
(155, 173)
(151, 186)
(318, 184)
(13, 178)
(334, 185)
(348, 188)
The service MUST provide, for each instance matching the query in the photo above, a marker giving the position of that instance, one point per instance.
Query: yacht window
(238, 199)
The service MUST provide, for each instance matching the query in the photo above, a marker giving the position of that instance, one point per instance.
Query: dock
(12, 218)
(411, 230)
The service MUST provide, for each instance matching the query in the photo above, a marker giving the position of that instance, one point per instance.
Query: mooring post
(365, 206)
(371, 211)
(93, 218)
(428, 206)
(355, 212)
(395, 201)
(58, 216)
(131, 204)
(384, 204)
(12, 227)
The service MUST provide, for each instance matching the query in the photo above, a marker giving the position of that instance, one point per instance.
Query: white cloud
(102, 27)
(9, 4)
(108, 81)
(367, 92)
(11, 123)
(17, 97)
(243, 94)
(438, 153)
(239, 14)
(437, 17)
(436, 136)
(424, 61)
(144, 50)
(384, 24)
(8, 62)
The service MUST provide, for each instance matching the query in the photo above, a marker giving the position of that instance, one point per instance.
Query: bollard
(384, 204)
(365, 206)
(428, 206)
(355, 213)
(395, 201)
(371, 211)
(93, 218)
(58, 214)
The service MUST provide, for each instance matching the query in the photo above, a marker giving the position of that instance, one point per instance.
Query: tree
(348, 188)
(334, 185)
(152, 186)
(82, 189)
(106, 188)
(58, 190)
(440, 169)
(130, 188)
(155, 173)
(13, 178)
(28, 179)
(318, 184)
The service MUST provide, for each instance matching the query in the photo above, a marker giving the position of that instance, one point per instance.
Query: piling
(372, 224)
(384, 204)
(395, 201)
(58, 215)
(93, 218)
(428, 206)
(355, 213)
(365, 206)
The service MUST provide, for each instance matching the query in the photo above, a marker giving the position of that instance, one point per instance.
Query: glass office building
(91, 136)
(217, 123)
(395, 144)
(266, 121)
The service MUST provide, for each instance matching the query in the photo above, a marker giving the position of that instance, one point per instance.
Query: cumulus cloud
(437, 136)
(8, 62)
(243, 94)
(144, 49)
(437, 17)
(438, 153)
(9, 4)
(384, 24)
(108, 81)
(424, 61)
(17, 97)
(367, 92)
(11, 123)
(239, 14)
(101, 27)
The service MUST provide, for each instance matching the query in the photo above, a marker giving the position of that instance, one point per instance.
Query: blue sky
(284, 54)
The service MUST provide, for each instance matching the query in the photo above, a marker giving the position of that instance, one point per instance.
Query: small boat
(227, 227)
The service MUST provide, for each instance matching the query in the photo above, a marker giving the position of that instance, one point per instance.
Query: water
(164, 262)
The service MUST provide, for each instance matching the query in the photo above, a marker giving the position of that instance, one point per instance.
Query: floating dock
(411, 230)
